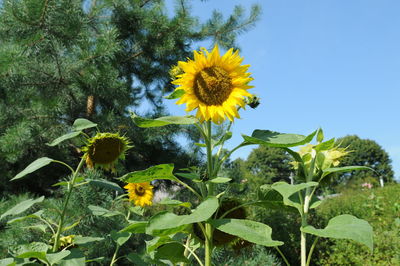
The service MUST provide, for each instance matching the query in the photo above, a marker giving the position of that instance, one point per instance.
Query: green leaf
(32, 250)
(83, 240)
(161, 171)
(21, 207)
(225, 137)
(75, 258)
(251, 231)
(343, 169)
(269, 198)
(54, 258)
(64, 137)
(327, 145)
(220, 180)
(163, 121)
(136, 259)
(166, 220)
(288, 192)
(40, 227)
(120, 237)
(345, 227)
(106, 184)
(157, 241)
(276, 139)
(171, 202)
(82, 123)
(172, 252)
(177, 93)
(320, 135)
(36, 215)
(135, 227)
(39, 163)
(192, 176)
(99, 211)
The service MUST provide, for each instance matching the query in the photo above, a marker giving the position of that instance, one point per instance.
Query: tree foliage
(364, 152)
(60, 60)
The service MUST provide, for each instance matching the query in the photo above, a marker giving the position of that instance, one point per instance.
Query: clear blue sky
(333, 64)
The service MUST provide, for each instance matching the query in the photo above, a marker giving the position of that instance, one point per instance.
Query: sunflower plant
(216, 87)
(102, 150)
(313, 163)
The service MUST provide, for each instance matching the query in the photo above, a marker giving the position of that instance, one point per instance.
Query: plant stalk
(62, 216)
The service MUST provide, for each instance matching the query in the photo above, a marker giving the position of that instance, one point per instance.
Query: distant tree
(64, 59)
(364, 152)
(266, 165)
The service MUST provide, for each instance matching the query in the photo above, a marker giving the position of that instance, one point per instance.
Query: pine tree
(61, 60)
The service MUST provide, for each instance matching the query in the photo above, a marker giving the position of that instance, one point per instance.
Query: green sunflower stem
(208, 244)
(210, 170)
(62, 216)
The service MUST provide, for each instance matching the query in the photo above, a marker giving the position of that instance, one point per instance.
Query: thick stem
(303, 240)
(62, 216)
(208, 245)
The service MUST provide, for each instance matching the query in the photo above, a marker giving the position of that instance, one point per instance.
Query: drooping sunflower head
(105, 149)
(140, 193)
(215, 85)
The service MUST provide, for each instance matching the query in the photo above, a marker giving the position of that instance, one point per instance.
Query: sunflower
(215, 85)
(105, 149)
(140, 193)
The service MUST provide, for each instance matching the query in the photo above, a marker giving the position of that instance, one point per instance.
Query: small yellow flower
(215, 85)
(105, 149)
(140, 193)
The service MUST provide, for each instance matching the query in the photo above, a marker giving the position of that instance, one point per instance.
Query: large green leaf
(343, 169)
(82, 123)
(172, 202)
(251, 231)
(269, 198)
(136, 259)
(345, 227)
(54, 258)
(36, 215)
(75, 258)
(21, 207)
(166, 220)
(288, 192)
(39, 163)
(161, 171)
(63, 138)
(135, 227)
(276, 139)
(163, 121)
(172, 252)
(100, 211)
(157, 241)
(120, 237)
(83, 240)
(106, 184)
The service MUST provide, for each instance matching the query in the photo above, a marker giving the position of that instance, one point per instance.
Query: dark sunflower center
(106, 150)
(212, 85)
(139, 190)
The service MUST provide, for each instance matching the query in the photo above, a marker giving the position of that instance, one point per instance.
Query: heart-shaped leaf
(251, 231)
(161, 171)
(345, 227)
(276, 139)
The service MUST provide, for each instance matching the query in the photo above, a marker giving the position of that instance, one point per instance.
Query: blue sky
(332, 64)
